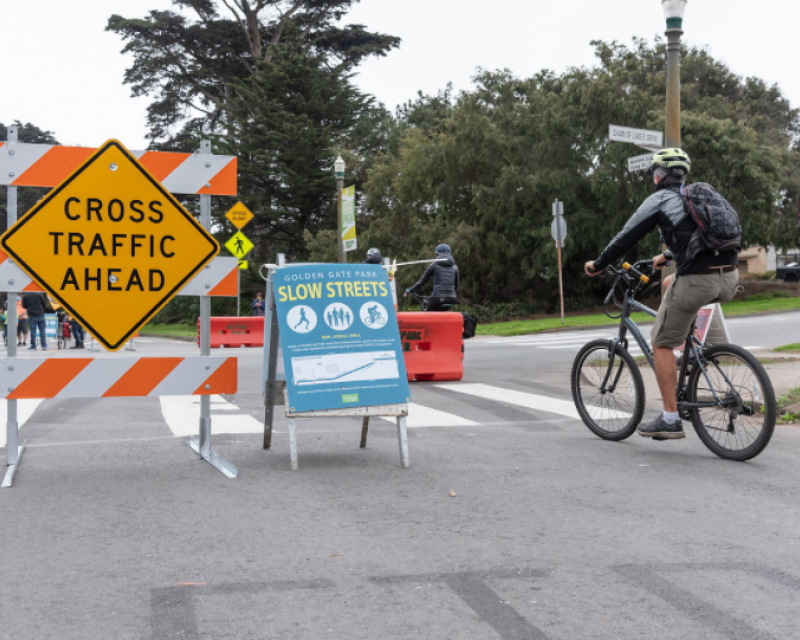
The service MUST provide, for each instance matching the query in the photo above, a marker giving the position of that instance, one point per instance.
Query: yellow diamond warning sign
(111, 244)
(239, 215)
(239, 244)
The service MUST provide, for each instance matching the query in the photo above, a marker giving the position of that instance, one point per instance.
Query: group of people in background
(32, 307)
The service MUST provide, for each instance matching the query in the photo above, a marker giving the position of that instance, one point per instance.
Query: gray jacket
(664, 209)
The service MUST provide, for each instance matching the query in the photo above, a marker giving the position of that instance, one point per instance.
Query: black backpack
(718, 227)
(470, 325)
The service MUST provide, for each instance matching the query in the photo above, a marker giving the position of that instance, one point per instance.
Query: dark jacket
(664, 209)
(445, 279)
(33, 303)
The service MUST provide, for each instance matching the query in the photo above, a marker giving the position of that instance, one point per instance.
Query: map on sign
(345, 367)
(239, 245)
(239, 215)
(110, 244)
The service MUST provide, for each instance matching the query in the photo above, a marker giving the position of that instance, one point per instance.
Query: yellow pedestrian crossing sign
(239, 245)
(239, 215)
(244, 265)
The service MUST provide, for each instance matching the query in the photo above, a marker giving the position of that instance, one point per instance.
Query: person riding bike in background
(373, 256)
(445, 280)
(706, 278)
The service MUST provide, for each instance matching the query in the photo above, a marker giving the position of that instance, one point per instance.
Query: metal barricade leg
(293, 444)
(202, 445)
(402, 438)
(364, 429)
(13, 450)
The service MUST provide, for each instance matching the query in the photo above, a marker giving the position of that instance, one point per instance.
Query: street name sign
(110, 244)
(239, 215)
(339, 337)
(640, 163)
(239, 245)
(642, 137)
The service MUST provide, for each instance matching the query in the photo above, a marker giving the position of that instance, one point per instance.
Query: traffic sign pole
(559, 233)
(202, 445)
(13, 450)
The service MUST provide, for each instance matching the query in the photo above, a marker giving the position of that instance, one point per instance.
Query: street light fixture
(339, 167)
(673, 12)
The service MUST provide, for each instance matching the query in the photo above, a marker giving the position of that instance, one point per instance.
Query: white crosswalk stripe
(422, 416)
(521, 399)
(182, 415)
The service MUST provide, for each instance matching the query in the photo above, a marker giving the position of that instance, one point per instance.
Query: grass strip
(169, 330)
(757, 304)
(795, 346)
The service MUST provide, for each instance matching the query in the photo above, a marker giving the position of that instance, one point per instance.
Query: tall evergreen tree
(269, 81)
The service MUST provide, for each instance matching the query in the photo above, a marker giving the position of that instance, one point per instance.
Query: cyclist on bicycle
(445, 280)
(700, 281)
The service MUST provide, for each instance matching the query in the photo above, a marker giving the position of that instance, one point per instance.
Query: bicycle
(423, 303)
(722, 389)
(379, 320)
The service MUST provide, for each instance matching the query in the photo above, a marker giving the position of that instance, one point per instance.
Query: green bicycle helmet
(672, 158)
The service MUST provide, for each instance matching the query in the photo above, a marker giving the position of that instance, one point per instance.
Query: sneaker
(32, 347)
(660, 429)
(77, 346)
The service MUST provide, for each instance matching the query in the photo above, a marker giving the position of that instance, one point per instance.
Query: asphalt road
(513, 522)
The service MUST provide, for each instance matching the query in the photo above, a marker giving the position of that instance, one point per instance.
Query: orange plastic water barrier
(433, 347)
(235, 332)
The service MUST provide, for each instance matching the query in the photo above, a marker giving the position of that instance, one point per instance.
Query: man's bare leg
(667, 376)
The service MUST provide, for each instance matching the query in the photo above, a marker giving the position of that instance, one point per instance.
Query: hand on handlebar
(660, 261)
(590, 270)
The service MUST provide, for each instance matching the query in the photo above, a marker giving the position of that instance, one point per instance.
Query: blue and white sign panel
(51, 325)
(339, 336)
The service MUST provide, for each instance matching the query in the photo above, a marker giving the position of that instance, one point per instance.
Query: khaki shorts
(682, 301)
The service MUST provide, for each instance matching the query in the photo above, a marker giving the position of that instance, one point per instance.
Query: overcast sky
(60, 70)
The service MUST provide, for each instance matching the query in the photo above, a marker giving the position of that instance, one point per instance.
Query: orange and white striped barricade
(44, 165)
(61, 378)
(218, 278)
(202, 173)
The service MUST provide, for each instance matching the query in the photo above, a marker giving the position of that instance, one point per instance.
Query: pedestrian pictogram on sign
(111, 244)
(239, 245)
(239, 215)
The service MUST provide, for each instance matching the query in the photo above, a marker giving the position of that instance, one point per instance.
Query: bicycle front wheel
(615, 413)
(743, 427)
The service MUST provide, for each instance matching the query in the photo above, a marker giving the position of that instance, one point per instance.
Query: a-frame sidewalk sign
(336, 327)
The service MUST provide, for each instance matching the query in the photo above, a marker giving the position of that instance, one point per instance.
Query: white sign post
(559, 230)
(645, 138)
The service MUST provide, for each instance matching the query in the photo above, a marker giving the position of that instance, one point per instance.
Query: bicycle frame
(691, 348)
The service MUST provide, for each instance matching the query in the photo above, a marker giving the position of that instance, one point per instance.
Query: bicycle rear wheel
(612, 415)
(742, 429)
